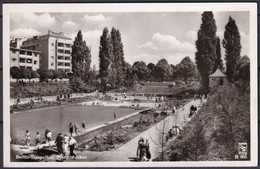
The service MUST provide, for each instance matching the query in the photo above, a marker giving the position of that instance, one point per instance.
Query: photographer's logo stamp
(242, 150)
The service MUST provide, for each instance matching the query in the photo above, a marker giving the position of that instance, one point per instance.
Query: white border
(132, 7)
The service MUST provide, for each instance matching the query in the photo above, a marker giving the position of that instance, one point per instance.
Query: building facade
(55, 50)
(24, 58)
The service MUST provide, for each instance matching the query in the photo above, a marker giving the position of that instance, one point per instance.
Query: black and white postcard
(130, 85)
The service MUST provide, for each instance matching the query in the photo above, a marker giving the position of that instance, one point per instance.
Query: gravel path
(130, 148)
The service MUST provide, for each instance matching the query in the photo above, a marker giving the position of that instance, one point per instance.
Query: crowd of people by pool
(65, 143)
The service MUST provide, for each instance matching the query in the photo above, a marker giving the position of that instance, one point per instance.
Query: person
(65, 144)
(83, 126)
(38, 138)
(72, 144)
(141, 149)
(147, 150)
(173, 110)
(46, 132)
(114, 115)
(170, 133)
(76, 128)
(27, 138)
(49, 134)
(71, 129)
(191, 111)
(59, 143)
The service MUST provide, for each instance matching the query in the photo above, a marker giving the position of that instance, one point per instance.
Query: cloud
(166, 44)
(245, 43)
(95, 18)
(24, 32)
(191, 35)
(32, 20)
(69, 24)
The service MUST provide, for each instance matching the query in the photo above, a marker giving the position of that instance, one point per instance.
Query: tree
(15, 73)
(186, 68)
(81, 57)
(32, 74)
(129, 79)
(117, 60)
(25, 74)
(231, 43)
(242, 74)
(206, 48)
(105, 56)
(150, 67)
(219, 62)
(162, 70)
(140, 69)
(45, 74)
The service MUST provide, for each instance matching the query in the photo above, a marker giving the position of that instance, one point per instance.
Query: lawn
(57, 119)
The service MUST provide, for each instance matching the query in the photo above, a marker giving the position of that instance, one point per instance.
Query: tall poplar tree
(105, 57)
(231, 43)
(81, 57)
(219, 62)
(206, 47)
(118, 62)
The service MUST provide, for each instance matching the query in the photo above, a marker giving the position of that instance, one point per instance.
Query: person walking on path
(27, 138)
(141, 149)
(83, 126)
(71, 129)
(37, 139)
(72, 145)
(59, 143)
(147, 150)
(114, 115)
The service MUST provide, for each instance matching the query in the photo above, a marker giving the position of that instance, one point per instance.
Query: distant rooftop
(218, 73)
(57, 35)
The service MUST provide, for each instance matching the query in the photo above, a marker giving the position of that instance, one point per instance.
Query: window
(22, 60)
(60, 44)
(60, 64)
(52, 44)
(60, 57)
(60, 51)
(52, 57)
(14, 59)
(13, 51)
(29, 53)
(29, 60)
(52, 64)
(22, 52)
(67, 64)
(67, 58)
(67, 45)
(35, 62)
(67, 52)
(35, 54)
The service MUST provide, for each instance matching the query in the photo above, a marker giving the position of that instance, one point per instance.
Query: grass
(215, 131)
(57, 119)
(36, 89)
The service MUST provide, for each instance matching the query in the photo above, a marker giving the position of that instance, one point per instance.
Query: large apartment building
(23, 58)
(55, 50)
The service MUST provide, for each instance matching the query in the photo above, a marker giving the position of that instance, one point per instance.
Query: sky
(146, 36)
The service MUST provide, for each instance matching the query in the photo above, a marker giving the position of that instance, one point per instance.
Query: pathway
(129, 149)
